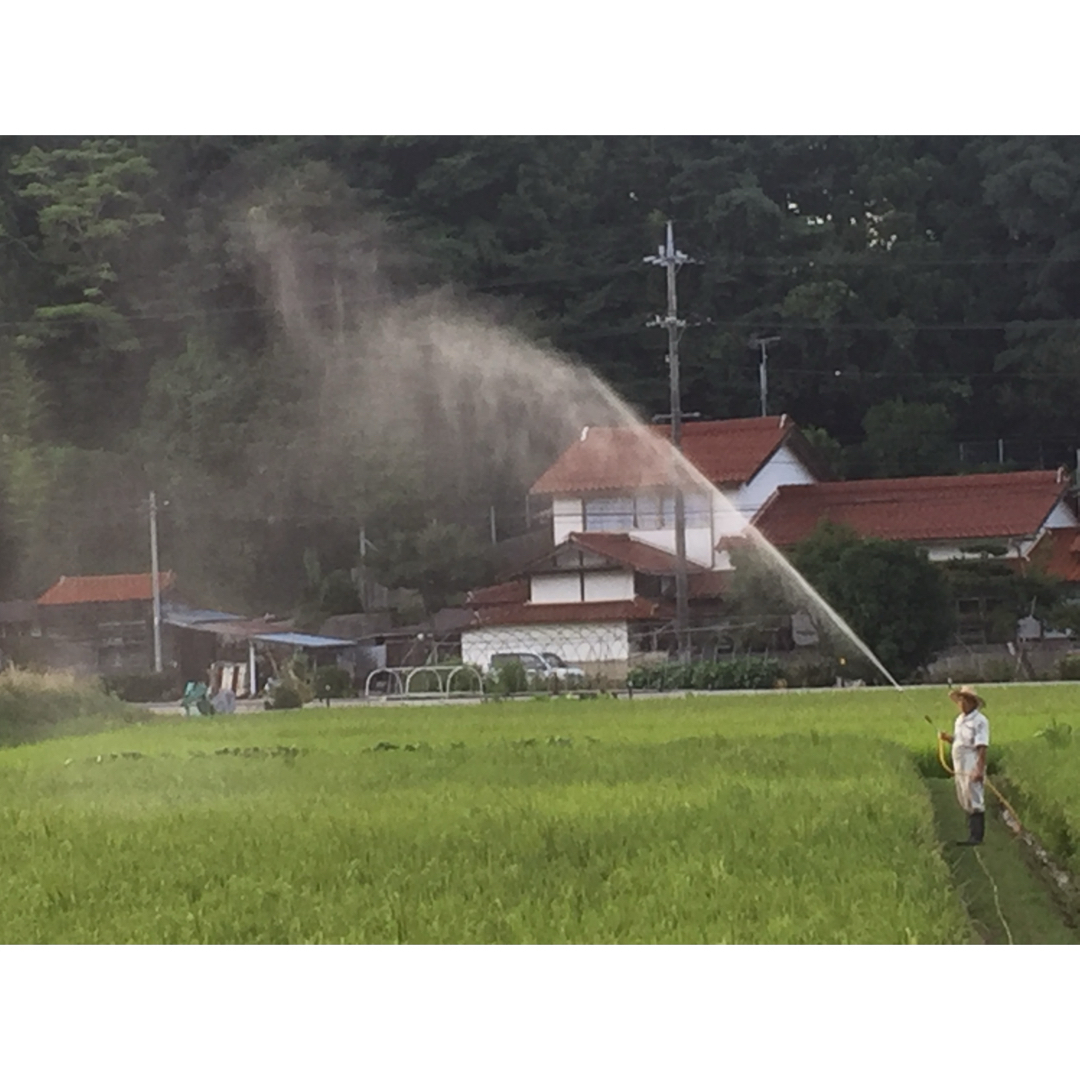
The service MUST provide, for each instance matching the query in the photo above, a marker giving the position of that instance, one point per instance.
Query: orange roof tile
(105, 588)
(704, 584)
(984, 506)
(621, 548)
(726, 452)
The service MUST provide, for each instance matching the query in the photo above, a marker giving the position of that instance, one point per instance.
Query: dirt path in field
(1007, 899)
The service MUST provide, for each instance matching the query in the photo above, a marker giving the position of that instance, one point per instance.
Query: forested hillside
(925, 291)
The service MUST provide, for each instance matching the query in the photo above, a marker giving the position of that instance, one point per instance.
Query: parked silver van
(539, 666)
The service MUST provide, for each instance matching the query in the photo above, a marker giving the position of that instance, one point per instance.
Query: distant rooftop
(105, 588)
(726, 452)
(981, 506)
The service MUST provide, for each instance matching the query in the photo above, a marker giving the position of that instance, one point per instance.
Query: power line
(807, 327)
(928, 375)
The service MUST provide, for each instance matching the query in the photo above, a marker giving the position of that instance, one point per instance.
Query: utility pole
(671, 260)
(155, 584)
(763, 344)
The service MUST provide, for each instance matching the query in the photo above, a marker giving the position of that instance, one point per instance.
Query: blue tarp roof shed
(304, 641)
(190, 617)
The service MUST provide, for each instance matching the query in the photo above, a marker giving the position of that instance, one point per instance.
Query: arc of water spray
(481, 370)
(696, 479)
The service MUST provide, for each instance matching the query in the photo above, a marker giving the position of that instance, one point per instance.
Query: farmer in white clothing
(970, 738)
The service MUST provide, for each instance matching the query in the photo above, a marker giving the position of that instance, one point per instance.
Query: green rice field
(772, 817)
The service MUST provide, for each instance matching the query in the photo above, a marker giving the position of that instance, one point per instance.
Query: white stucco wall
(555, 588)
(567, 516)
(699, 542)
(609, 585)
(576, 643)
(727, 519)
(734, 507)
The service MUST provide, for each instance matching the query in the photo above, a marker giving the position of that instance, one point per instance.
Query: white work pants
(969, 792)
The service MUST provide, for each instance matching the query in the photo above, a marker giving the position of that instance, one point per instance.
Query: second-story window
(645, 512)
(609, 515)
(649, 512)
(697, 510)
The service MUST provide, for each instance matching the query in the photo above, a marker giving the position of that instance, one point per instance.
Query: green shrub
(508, 678)
(812, 673)
(1069, 666)
(290, 690)
(285, 695)
(332, 681)
(146, 686)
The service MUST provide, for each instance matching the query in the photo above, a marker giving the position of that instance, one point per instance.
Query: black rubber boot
(976, 829)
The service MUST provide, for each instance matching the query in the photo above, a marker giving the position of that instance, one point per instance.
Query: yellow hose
(986, 779)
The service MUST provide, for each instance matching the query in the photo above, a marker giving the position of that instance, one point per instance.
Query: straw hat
(969, 693)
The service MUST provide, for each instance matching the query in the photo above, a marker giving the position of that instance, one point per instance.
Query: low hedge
(148, 686)
(747, 673)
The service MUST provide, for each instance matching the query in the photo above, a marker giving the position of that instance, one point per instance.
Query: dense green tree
(441, 561)
(891, 595)
(905, 438)
(941, 272)
(89, 203)
(991, 596)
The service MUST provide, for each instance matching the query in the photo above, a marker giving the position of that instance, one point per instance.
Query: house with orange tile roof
(950, 517)
(622, 480)
(606, 592)
(103, 623)
(596, 600)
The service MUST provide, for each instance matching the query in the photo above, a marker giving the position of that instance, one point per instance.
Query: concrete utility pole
(671, 260)
(155, 584)
(763, 344)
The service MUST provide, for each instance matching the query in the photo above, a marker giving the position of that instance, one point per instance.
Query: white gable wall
(1061, 517)
(609, 585)
(733, 508)
(555, 588)
(578, 585)
(784, 467)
